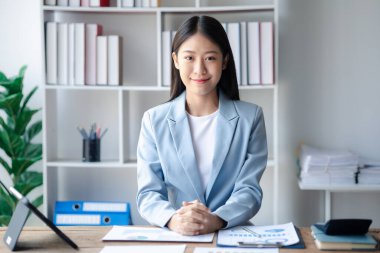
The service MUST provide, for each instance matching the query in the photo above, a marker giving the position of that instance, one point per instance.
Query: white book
(101, 63)
(62, 2)
(85, 3)
(71, 60)
(267, 59)
(145, 3)
(99, 3)
(253, 35)
(127, 3)
(243, 53)
(233, 32)
(114, 60)
(166, 57)
(63, 53)
(51, 52)
(154, 3)
(92, 30)
(50, 2)
(74, 3)
(79, 67)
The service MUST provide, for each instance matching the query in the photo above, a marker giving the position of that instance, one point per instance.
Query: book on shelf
(243, 53)
(92, 31)
(266, 52)
(79, 66)
(166, 57)
(253, 34)
(85, 3)
(127, 3)
(51, 52)
(233, 33)
(101, 63)
(99, 3)
(114, 60)
(63, 53)
(342, 242)
(50, 2)
(71, 57)
(74, 3)
(62, 2)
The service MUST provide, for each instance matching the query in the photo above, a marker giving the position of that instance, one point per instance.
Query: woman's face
(200, 64)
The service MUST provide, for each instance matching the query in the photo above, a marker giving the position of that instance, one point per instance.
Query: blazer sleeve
(246, 197)
(152, 195)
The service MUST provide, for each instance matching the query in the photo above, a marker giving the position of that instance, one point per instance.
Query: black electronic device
(19, 218)
(345, 226)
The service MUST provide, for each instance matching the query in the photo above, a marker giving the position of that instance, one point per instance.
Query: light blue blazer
(167, 172)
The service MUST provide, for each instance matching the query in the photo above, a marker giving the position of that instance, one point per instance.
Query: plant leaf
(28, 181)
(7, 202)
(27, 98)
(33, 150)
(3, 77)
(11, 104)
(5, 142)
(23, 119)
(22, 70)
(6, 166)
(20, 165)
(4, 220)
(33, 130)
(38, 201)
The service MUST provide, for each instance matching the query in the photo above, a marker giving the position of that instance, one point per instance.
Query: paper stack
(319, 166)
(369, 172)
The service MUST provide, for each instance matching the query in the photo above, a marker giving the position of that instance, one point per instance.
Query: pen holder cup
(91, 150)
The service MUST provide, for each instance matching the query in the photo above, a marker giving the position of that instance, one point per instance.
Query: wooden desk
(89, 239)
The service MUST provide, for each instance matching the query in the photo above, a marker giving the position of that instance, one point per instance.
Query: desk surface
(89, 239)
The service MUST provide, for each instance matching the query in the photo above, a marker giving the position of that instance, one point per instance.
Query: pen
(259, 245)
(251, 232)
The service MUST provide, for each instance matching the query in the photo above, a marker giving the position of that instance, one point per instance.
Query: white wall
(329, 96)
(20, 44)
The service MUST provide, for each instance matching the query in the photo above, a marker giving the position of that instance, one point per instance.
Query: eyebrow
(208, 52)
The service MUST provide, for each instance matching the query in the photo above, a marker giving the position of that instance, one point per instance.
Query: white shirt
(203, 134)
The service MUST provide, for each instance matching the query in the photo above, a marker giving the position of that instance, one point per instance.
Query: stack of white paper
(369, 172)
(320, 166)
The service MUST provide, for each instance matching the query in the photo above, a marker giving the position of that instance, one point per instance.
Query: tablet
(19, 218)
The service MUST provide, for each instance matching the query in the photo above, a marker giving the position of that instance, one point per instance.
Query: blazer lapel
(180, 131)
(225, 129)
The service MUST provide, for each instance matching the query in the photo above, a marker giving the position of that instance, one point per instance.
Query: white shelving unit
(121, 108)
(330, 188)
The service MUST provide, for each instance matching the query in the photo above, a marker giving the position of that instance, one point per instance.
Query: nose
(200, 67)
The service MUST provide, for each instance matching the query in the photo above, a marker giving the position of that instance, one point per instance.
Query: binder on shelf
(233, 32)
(89, 213)
(101, 62)
(63, 53)
(114, 60)
(266, 53)
(51, 52)
(92, 31)
(253, 37)
(79, 51)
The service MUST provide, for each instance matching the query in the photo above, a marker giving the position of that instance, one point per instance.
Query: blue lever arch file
(90, 213)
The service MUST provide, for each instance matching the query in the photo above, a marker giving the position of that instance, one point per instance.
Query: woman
(201, 155)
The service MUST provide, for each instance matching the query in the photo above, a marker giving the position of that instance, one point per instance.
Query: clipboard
(19, 217)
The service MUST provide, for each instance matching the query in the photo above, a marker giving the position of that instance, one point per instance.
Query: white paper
(144, 249)
(284, 234)
(130, 233)
(233, 250)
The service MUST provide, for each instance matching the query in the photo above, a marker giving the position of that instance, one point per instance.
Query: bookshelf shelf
(120, 108)
(339, 188)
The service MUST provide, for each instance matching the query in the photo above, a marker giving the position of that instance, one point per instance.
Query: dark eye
(189, 58)
(211, 58)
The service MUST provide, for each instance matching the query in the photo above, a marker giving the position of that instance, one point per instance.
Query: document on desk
(258, 236)
(233, 250)
(131, 233)
(145, 249)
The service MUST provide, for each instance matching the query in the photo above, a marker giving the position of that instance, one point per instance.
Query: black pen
(259, 245)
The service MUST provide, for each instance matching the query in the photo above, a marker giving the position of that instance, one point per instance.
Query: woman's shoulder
(159, 111)
(244, 106)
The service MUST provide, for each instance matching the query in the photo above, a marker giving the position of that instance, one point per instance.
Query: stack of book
(78, 54)
(319, 166)
(342, 242)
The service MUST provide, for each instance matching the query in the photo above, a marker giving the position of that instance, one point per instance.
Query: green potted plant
(17, 151)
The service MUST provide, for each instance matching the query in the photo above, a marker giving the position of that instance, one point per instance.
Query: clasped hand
(194, 218)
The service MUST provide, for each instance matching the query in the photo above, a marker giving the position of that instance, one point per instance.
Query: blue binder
(91, 213)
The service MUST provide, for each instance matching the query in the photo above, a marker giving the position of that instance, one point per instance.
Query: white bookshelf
(330, 188)
(120, 108)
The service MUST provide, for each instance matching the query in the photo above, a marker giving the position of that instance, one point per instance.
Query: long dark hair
(214, 31)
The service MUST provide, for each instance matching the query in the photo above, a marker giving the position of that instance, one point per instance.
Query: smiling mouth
(200, 81)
